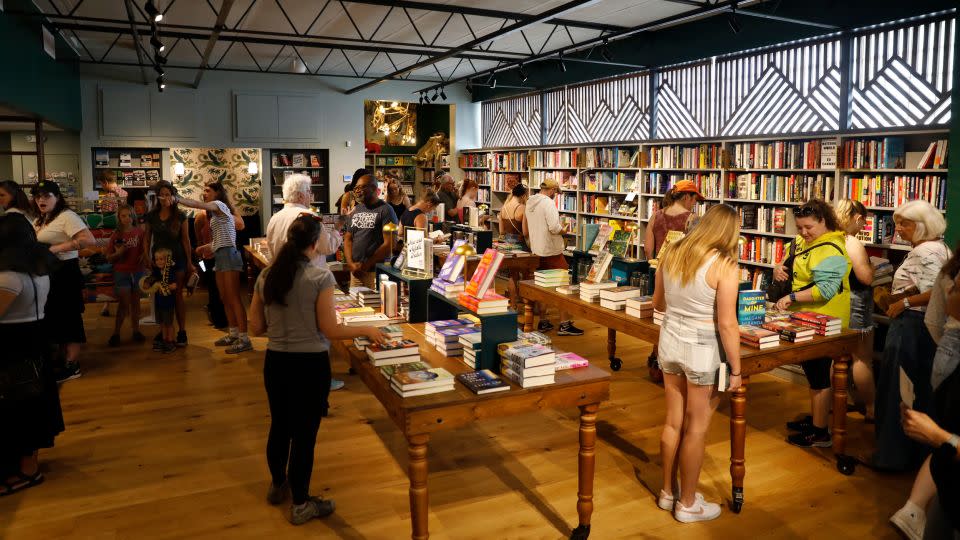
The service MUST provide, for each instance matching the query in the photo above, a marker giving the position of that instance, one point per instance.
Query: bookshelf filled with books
(763, 177)
(311, 162)
(401, 166)
(134, 168)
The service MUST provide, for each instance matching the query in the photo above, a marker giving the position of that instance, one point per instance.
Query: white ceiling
(266, 16)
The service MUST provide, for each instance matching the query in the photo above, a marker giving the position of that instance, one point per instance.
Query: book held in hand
(483, 381)
(751, 307)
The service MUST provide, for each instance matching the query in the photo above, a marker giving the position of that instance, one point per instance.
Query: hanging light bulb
(253, 168)
(393, 104)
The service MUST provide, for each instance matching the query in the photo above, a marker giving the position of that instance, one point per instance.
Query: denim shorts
(227, 259)
(947, 359)
(690, 348)
(126, 281)
(861, 310)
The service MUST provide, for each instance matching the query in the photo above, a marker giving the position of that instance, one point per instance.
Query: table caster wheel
(352, 371)
(582, 532)
(737, 503)
(846, 465)
(616, 364)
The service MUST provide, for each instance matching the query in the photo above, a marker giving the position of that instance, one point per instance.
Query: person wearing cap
(546, 241)
(675, 214)
(66, 233)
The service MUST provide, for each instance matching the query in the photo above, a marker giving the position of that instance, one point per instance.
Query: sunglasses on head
(805, 211)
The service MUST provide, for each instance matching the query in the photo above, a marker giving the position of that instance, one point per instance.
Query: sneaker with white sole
(226, 340)
(910, 520)
(700, 511)
(336, 384)
(666, 502)
(568, 329)
(239, 346)
(315, 507)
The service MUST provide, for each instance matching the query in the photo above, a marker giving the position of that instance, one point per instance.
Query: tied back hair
(222, 196)
(303, 233)
(718, 230)
(19, 249)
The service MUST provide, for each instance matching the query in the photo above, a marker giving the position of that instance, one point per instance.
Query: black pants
(298, 385)
(218, 316)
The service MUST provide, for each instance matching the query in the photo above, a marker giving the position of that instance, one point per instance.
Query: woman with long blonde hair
(696, 287)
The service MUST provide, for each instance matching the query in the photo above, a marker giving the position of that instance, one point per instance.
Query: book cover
(758, 334)
(483, 381)
(485, 273)
(600, 266)
(816, 319)
(425, 378)
(569, 360)
(619, 243)
(603, 236)
(392, 349)
(751, 307)
(789, 331)
(390, 371)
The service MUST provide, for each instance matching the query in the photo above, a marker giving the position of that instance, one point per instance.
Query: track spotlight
(152, 11)
(157, 44)
(523, 74)
(563, 65)
(605, 52)
(435, 96)
(443, 94)
(159, 70)
(161, 84)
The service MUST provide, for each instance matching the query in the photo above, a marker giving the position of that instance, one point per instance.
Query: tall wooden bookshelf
(402, 166)
(311, 162)
(763, 177)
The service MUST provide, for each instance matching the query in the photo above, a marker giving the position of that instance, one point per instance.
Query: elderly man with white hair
(297, 197)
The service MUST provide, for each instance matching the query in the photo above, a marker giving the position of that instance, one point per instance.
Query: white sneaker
(911, 520)
(665, 502)
(700, 511)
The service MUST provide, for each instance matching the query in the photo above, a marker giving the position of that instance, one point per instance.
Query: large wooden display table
(257, 262)
(753, 361)
(420, 416)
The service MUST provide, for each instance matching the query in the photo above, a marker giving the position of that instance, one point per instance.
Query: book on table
(620, 294)
(452, 268)
(534, 337)
(484, 275)
(526, 355)
(568, 289)
(483, 381)
(393, 331)
(430, 329)
(611, 304)
(603, 236)
(751, 307)
(424, 378)
(789, 331)
(569, 360)
(598, 270)
(375, 319)
(758, 337)
(392, 369)
(446, 288)
(388, 298)
(404, 349)
(491, 303)
(527, 382)
(822, 325)
(551, 278)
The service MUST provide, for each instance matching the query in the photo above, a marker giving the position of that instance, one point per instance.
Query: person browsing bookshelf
(396, 198)
(675, 214)
(696, 288)
(513, 226)
(820, 270)
(416, 214)
(909, 347)
(546, 241)
(293, 305)
(852, 217)
(448, 196)
(469, 191)
(364, 244)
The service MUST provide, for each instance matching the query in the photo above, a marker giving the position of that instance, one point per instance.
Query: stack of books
(430, 329)
(569, 360)
(471, 345)
(389, 371)
(751, 307)
(590, 292)
(538, 338)
(393, 332)
(423, 382)
(491, 303)
(351, 309)
(483, 381)
(789, 331)
(616, 298)
(759, 338)
(365, 296)
(527, 365)
(447, 340)
(447, 288)
(640, 307)
(551, 278)
(882, 271)
(401, 351)
(389, 298)
(822, 325)
(449, 280)
(568, 289)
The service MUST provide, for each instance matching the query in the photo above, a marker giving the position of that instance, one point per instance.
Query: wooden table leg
(585, 466)
(419, 497)
(527, 316)
(841, 369)
(615, 362)
(738, 443)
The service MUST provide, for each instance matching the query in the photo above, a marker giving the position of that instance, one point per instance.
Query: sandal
(24, 481)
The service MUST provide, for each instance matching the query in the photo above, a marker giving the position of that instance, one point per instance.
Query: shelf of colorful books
(921, 151)
(895, 171)
(509, 161)
(760, 170)
(605, 205)
(757, 263)
(784, 155)
(502, 181)
(762, 201)
(610, 157)
(473, 160)
(779, 188)
(886, 191)
(608, 181)
(655, 183)
(567, 158)
(762, 249)
(567, 178)
(554, 168)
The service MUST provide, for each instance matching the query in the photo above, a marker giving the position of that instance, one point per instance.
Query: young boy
(161, 284)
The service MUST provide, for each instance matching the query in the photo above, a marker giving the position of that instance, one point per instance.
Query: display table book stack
(527, 365)
(417, 287)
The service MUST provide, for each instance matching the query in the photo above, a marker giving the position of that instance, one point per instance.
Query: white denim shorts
(690, 348)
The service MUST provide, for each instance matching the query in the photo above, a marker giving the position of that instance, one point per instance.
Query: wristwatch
(793, 297)
(906, 302)
(954, 441)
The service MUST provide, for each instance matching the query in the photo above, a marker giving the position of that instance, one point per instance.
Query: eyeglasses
(804, 211)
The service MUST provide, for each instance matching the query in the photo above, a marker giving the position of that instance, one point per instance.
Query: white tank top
(696, 299)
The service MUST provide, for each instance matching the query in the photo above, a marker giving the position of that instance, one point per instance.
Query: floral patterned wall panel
(225, 165)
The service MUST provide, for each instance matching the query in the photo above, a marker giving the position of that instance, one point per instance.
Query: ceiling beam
(136, 40)
(221, 24)
(308, 42)
(509, 29)
(770, 16)
(483, 12)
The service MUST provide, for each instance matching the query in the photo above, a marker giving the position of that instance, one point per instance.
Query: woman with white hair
(909, 346)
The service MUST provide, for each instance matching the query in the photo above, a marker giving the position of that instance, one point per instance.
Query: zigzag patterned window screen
(607, 111)
(903, 76)
(899, 77)
(792, 90)
(512, 122)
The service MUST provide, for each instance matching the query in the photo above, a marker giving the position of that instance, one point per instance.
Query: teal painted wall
(953, 161)
(32, 82)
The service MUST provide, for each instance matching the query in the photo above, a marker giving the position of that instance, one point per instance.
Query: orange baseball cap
(687, 186)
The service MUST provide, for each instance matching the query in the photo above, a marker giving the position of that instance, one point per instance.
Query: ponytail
(303, 233)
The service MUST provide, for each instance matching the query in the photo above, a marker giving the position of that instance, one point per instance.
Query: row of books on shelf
(702, 156)
(604, 204)
(280, 176)
(612, 157)
(762, 249)
(885, 153)
(126, 159)
(506, 181)
(610, 181)
(815, 154)
(566, 202)
(893, 191)
(509, 161)
(482, 178)
(566, 179)
(473, 160)
(758, 278)
(780, 188)
(295, 159)
(879, 229)
(393, 161)
(556, 158)
(768, 219)
(660, 183)
(138, 178)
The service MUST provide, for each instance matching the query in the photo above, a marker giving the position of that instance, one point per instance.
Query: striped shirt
(223, 232)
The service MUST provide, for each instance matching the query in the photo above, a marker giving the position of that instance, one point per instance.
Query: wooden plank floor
(172, 446)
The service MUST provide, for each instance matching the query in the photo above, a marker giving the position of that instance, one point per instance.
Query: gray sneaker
(314, 508)
(226, 340)
(239, 346)
(277, 494)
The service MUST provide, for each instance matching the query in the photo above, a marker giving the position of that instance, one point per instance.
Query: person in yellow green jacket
(820, 270)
